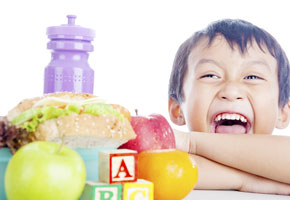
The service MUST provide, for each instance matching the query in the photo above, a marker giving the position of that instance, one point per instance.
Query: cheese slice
(55, 101)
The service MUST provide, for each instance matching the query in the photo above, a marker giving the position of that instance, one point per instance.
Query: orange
(171, 171)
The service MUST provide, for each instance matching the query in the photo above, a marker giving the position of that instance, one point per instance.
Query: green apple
(39, 171)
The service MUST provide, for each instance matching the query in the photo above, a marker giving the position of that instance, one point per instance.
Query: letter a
(123, 168)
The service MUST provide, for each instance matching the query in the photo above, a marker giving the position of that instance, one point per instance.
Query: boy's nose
(231, 92)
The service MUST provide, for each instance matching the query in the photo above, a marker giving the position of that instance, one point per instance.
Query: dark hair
(237, 32)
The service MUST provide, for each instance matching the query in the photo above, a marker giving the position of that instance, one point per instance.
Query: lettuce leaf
(30, 119)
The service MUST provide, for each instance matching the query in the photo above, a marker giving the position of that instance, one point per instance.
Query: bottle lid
(70, 31)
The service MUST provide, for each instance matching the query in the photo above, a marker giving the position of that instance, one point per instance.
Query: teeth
(230, 117)
(224, 116)
(243, 119)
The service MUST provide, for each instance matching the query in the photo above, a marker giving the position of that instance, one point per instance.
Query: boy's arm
(215, 176)
(262, 155)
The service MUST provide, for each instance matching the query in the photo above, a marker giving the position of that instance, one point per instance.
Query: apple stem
(61, 145)
(136, 111)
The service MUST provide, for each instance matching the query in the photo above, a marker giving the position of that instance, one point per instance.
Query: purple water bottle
(69, 69)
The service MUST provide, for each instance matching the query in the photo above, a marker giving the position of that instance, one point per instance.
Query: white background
(135, 43)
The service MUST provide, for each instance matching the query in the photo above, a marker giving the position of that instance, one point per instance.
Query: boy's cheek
(266, 115)
(196, 117)
(263, 127)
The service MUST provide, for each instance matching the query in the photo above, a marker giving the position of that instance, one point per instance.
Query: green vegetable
(102, 109)
(31, 118)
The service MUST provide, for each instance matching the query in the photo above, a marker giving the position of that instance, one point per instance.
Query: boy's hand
(184, 141)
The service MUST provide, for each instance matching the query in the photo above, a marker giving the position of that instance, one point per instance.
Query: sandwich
(77, 120)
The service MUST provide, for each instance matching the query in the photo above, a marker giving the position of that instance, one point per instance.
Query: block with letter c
(141, 190)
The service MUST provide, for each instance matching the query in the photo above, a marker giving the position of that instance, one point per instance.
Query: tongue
(230, 129)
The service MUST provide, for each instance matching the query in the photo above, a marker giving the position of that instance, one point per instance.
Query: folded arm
(262, 155)
(214, 176)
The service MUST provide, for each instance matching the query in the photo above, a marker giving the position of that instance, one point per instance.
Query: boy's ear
(284, 117)
(175, 112)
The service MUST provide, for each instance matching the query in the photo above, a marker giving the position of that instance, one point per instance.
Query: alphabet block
(140, 190)
(101, 191)
(118, 166)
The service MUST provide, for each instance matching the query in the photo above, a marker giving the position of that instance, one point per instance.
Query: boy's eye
(253, 77)
(209, 76)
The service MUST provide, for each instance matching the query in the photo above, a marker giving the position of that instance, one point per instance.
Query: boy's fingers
(181, 140)
(184, 141)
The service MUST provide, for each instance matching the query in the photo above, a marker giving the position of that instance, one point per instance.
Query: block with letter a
(101, 191)
(118, 166)
(140, 190)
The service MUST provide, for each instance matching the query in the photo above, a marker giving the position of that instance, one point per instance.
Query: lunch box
(90, 157)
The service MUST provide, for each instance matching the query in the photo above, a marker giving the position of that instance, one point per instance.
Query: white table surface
(231, 195)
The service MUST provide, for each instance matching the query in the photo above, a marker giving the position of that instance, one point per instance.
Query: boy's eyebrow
(260, 62)
(251, 62)
(206, 60)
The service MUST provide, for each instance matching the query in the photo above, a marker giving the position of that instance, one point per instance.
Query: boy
(232, 79)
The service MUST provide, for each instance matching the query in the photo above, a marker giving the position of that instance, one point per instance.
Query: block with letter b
(118, 166)
(101, 191)
(140, 190)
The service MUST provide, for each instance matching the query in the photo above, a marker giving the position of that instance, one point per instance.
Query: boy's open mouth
(231, 123)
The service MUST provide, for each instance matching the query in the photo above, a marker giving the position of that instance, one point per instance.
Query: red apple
(153, 132)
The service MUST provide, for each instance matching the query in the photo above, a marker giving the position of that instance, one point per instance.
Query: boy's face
(226, 91)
